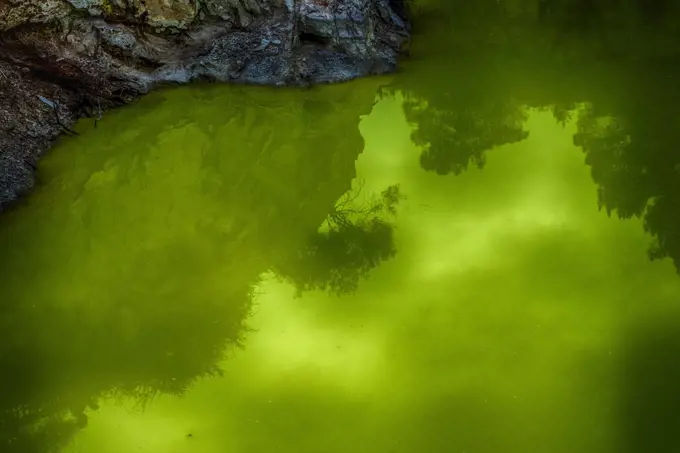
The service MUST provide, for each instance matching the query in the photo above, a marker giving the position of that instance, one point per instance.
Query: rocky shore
(64, 59)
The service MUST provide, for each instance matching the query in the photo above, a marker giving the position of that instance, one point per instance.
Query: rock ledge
(63, 59)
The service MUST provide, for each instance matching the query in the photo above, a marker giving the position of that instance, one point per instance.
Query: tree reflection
(57, 364)
(477, 63)
(453, 137)
(635, 162)
(131, 271)
(454, 93)
(355, 238)
(477, 66)
(457, 115)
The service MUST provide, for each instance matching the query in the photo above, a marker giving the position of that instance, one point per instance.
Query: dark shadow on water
(650, 410)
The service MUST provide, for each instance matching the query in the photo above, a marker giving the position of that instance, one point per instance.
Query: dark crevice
(47, 75)
(311, 38)
(400, 8)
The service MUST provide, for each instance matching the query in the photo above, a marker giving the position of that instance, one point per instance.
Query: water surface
(474, 255)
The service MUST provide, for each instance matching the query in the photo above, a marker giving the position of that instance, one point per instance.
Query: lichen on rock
(168, 13)
(243, 10)
(17, 12)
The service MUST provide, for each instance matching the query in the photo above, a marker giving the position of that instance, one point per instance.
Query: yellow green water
(228, 269)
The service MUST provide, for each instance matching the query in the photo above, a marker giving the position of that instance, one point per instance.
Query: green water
(473, 255)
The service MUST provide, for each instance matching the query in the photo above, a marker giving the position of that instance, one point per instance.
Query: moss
(107, 8)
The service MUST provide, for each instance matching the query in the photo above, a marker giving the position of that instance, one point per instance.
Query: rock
(242, 10)
(168, 13)
(94, 7)
(17, 12)
(89, 55)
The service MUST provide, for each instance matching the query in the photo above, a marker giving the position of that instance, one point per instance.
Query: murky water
(452, 259)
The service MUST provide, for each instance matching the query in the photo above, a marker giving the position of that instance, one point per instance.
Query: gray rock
(89, 55)
(17, 12)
